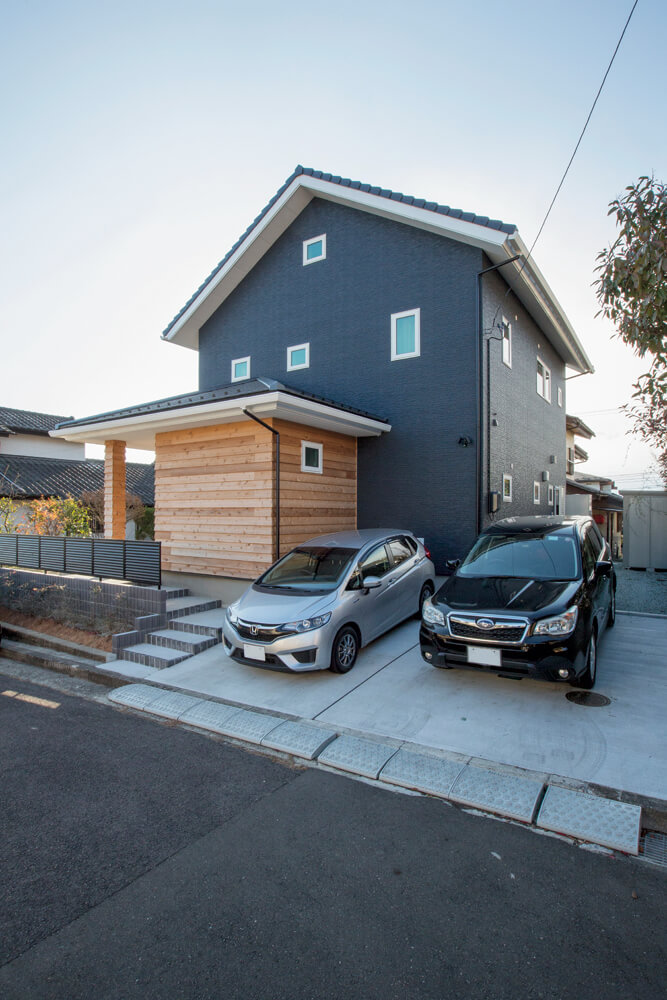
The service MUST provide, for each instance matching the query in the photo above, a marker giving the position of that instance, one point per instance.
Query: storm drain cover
(653, 847)
(588, 698)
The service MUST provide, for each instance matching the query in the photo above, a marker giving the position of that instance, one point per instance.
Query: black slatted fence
(110, 558)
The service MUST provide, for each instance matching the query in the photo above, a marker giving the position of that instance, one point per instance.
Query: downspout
(277, 503)
(480, 400)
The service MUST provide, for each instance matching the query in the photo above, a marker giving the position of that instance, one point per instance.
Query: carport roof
(138, 425)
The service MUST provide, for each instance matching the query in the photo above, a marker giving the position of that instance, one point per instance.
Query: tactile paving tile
(420, 771)
(138, 696)
(208, 715)
(299, 739)
(589, 817)
(172, 704)
(249, 726)
(497, 792)
(349, 753)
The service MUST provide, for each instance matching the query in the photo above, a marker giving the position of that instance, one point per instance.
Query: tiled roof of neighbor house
(27, 421)
(25, 477)
(429, 206)
(249, 387)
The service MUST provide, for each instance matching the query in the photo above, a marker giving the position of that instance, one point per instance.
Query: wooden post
(114, 489)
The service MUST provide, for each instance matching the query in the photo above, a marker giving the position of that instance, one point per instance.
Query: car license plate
(484, 657)
(253, 652)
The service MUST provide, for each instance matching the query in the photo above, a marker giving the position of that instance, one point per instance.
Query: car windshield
(308, 568)
(551, 556)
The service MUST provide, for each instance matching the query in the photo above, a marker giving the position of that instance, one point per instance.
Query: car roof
(355, 539)
(536, 523)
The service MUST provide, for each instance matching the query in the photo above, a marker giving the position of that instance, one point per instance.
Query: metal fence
(110, 558)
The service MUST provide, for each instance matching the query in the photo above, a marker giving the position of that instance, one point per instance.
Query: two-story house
(365, 359)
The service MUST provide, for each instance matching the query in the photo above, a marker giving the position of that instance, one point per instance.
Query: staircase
(193, 625)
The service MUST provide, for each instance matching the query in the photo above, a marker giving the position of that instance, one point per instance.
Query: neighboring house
(410, 356)
(33, 464)
(591, 494)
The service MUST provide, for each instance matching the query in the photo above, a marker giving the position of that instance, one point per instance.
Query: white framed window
(557, 495)
(507, 343)
(560, 396)
(240, 369)
(550, 496)
(507, 489)
(543, 381)
(536, 492)
(298, 357)
(315, 249)
(311, 457)
(405, 335)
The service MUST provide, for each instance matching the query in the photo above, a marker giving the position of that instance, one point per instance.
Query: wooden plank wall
(214, 495)
(214, 499)
(312, 503)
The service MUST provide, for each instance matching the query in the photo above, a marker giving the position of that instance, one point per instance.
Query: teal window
(405, 335)
(315, 249)
(240, 369)
(298, 356)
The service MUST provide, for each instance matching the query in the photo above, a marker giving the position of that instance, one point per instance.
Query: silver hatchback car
(318, 605)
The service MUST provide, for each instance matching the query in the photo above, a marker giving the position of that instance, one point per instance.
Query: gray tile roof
(429, 206)
(25, 477)
(27, 421)
(249, 387)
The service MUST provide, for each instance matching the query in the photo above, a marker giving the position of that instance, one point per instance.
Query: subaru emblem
(485, 623)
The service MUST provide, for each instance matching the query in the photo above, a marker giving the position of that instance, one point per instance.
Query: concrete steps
(188, 642)
(194, 624)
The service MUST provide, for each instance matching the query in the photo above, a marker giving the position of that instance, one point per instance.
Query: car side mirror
(603, 567)
(452, 564)
(371, 582)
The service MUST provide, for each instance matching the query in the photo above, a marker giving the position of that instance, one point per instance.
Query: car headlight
(306, 624)
(431, 614)
(232, 613)
(559, 625)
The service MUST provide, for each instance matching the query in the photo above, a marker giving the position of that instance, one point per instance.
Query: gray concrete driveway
(392, 693)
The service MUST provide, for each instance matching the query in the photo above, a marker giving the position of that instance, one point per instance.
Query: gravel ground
(641, 590)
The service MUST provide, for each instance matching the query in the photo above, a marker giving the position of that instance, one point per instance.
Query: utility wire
(567, 169)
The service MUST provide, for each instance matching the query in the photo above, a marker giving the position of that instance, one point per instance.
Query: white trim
(316, 447)
(395, 356)
(506, 325)
(537, 492)
(524, 277)
(240, 361)
(298, 347)
(308, 243)
(139, 431)
(560, 396)
(546, 380)
(507, 499)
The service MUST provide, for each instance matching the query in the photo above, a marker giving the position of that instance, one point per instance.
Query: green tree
(8, 509)
(56, 516)
(632, 292)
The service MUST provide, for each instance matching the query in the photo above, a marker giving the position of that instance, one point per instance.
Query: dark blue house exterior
(432, 320)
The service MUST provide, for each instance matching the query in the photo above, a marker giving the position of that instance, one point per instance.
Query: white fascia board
(139, 431)
(290, 204)
(532, 288)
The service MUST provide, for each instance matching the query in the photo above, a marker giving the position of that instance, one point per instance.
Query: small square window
(315, 249)
(405, 335)
(507, 489)
(311, 457)
(507, 343)
(543, 381)
(536, 492)
(560, 396)
(240, 369)
(298, 357)
(550, 496)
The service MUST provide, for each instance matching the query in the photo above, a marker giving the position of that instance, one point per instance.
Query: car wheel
(426, 592)
(612, 607)
(587, 679)
(344, 650)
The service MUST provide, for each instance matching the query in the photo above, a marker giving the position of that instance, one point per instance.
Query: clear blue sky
(140, 139)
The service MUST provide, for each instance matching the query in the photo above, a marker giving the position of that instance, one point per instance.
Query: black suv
(530, 599)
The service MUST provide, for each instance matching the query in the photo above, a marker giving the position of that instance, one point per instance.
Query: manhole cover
(588, 698)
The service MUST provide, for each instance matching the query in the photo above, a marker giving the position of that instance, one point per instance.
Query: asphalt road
(141, 860)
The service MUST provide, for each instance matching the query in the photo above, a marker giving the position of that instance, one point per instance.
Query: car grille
(502, 630)
(261, 633)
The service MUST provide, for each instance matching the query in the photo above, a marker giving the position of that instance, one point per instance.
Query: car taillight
(428, 554)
